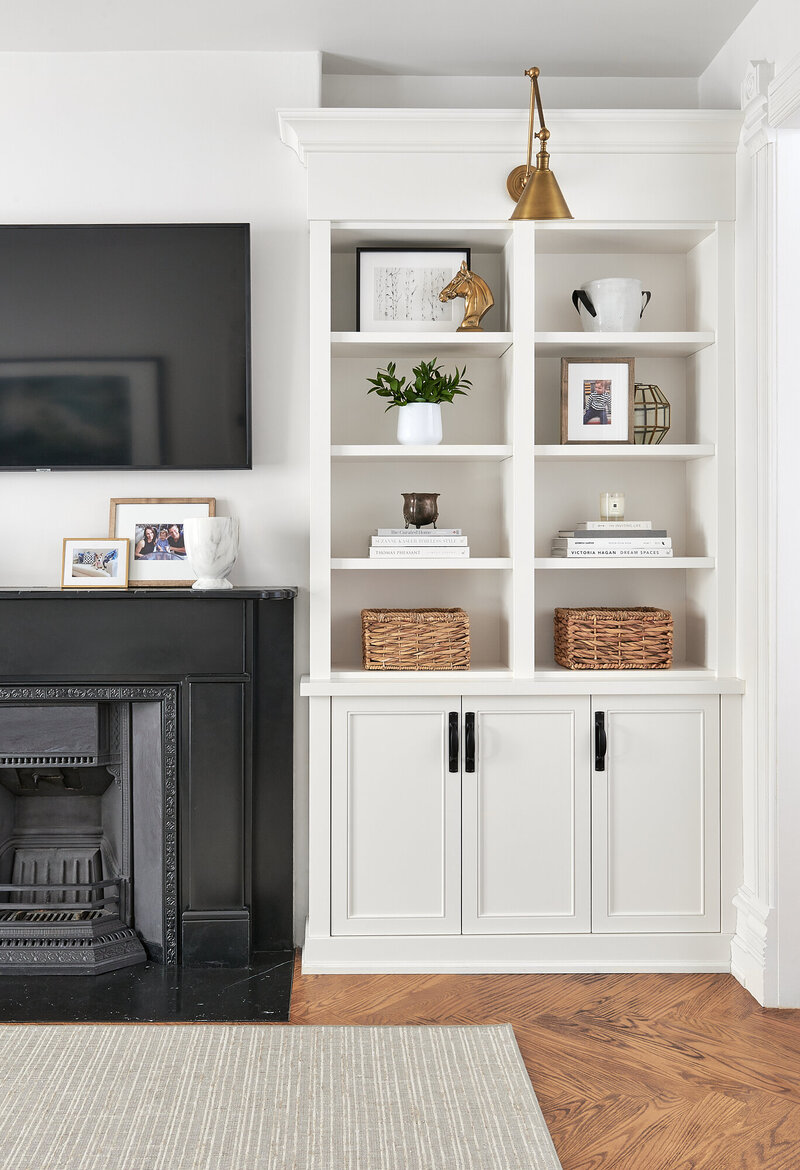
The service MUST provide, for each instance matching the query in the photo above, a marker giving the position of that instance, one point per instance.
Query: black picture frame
(449, 316)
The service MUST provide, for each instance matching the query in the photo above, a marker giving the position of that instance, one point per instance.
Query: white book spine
(600, 554)
(632, 544)
(414, 541)
(428, 551)
(588, 525)
(425, 533)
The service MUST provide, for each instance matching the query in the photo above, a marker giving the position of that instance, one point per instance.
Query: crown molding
(314, 131)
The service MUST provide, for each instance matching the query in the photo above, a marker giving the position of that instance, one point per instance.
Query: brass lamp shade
(541, 198)
(537, 193)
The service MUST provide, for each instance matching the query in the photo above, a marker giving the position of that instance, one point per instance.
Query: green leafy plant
(429, 384)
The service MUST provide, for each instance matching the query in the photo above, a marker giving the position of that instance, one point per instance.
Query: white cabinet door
(526, 820)
(396, 817)
(655, 813)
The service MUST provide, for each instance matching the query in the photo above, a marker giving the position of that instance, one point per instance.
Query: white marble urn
(212, 544)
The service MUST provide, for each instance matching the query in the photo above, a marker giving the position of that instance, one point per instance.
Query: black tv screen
(125, 346)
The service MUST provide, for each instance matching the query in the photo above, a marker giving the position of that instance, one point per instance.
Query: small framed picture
(154, 528)
(597, 400)
(94, 563)
(397, 289)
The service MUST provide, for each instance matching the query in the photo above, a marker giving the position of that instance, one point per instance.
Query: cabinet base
(545, 954)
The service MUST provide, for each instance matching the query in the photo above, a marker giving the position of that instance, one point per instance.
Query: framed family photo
(597, 400)
(397, 289)
(91, 563)
(154, 530)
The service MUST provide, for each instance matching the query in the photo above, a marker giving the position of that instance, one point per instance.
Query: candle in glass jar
(612, 505)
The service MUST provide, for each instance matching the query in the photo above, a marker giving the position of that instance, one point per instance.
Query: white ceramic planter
(419, 422)
(212, 545)
(613, 305)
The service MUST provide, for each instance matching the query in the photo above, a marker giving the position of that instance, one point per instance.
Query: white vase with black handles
(612, 305)
(419, 423)
(212, 545)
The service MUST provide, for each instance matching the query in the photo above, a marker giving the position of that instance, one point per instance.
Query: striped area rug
(267, 1097)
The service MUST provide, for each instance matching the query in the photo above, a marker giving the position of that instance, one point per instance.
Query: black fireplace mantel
(229, 657)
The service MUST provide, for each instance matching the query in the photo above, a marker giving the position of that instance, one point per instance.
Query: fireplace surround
(185, 703)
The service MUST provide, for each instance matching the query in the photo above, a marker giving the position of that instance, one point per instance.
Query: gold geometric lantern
(651, 413)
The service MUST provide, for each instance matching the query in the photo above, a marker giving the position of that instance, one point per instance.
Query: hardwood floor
(633, 1072)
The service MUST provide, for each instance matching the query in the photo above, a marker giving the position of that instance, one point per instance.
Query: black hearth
(154, 802)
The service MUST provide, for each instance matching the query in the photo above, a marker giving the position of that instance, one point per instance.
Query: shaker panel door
(656, 817)
(395, 848)
(526, 823)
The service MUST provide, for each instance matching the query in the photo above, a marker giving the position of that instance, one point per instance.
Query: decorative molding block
(505, 131)
(755, 86)
(783, 96)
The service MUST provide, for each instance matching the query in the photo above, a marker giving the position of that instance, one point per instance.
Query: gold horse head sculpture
(477, 296)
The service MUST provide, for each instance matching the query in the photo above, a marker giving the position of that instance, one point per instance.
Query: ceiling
(598, 38)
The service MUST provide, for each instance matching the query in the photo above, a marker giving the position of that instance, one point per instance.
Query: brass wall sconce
(536, 192)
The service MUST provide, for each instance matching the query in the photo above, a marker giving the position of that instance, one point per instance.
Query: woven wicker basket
(613, 639)
(415, 639)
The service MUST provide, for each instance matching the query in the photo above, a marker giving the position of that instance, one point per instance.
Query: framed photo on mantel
(92, 563)
(597, 400)
(154, 528)
(397, 289)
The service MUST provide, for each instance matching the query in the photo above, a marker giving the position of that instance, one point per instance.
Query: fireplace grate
(51, 915)
(47, 761)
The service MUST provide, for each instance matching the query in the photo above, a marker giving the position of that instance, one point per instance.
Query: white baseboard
(750, 943)
(467, 955)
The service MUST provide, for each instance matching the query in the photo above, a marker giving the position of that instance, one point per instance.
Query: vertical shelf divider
(521, 648)
(320, 453)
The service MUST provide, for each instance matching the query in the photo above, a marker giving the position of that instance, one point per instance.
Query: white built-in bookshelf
(462, 821)
(501, 471)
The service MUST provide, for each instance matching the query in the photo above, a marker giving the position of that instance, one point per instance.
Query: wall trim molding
(784, 94)
(750, 944)
(315, 131)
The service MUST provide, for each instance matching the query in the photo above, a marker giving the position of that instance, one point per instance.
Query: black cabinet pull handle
(469, 741)
(453, 724)
(600, 741)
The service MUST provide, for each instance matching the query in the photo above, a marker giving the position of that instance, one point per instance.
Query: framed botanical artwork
(397, 289)
(154, 528)
(597, 400)
(92, 563)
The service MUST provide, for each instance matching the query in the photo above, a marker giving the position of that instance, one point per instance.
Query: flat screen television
(125, 346)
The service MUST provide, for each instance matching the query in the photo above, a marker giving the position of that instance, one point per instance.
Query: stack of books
(612, 538)
(418, 542)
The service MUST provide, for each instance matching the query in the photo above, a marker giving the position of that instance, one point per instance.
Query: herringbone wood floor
(633, 1072)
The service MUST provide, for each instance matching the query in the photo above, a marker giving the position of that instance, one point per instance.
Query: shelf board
(622, 452)
(397, 453)
(419, 344)
(624, 563)
(548, 679)
(345, 673)
(574, 344)
(370, 563)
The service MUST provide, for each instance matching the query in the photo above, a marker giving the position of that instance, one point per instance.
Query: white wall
(175, 137)
(558, 93)
(769, 32)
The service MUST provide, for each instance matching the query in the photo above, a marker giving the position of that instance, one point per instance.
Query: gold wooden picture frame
(94, 562)
(154, 527)
(597, 400)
